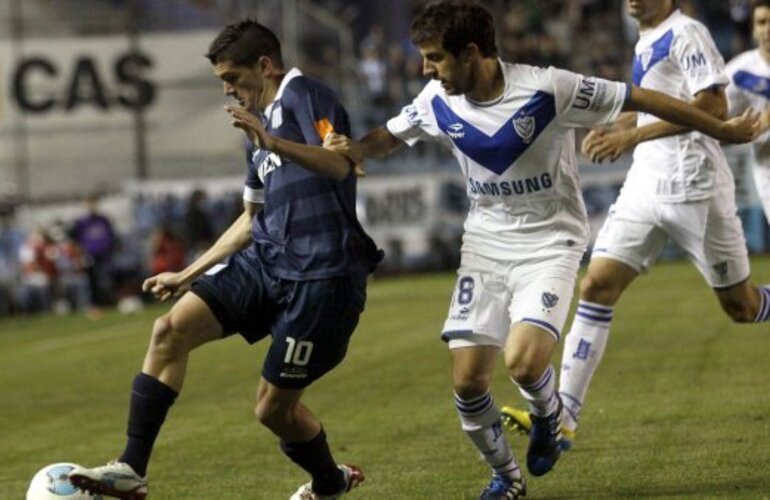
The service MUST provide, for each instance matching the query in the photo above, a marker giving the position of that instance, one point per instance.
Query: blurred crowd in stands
(592, 37)
(66, 266)
(83, 265)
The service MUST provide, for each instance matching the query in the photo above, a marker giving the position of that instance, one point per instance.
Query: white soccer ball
(51, 483)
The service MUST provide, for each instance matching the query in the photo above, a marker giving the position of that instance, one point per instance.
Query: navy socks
(315, 457)
(150, 402)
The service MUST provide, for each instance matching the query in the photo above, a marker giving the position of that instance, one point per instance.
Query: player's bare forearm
(658, 130)
(235, 237)
(689, 117)
(712, 101)
(379, 143)
(314, 158)
(166, 285)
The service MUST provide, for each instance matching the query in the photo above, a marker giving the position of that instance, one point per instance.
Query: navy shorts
(310, 321)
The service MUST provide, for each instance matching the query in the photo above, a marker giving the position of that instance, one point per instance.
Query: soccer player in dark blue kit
(297, 264)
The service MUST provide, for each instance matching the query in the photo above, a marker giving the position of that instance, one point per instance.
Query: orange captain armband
(323, 127)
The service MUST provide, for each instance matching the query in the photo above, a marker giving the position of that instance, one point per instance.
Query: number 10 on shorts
(298, 353)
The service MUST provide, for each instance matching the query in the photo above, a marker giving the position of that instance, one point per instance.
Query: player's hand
(344, 145)
(608, 145)
(744, 128)
(252, 126)
(163, 286)
(590, 139)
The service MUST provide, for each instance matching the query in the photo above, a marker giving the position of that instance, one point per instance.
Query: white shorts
(709, 231)
(491, 295)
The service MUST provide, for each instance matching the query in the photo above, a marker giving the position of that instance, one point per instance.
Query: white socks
(764, 304)
(480, 420)
(583, 351)
(541, 394)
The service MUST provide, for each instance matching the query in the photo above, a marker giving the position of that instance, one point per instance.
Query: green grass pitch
(680, 408)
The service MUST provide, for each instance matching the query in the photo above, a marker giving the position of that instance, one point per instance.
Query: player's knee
(469, 386)
(168, 336)
(263, 413)
(270, 413)
(522, 371)
(599, 289)
(525, 366)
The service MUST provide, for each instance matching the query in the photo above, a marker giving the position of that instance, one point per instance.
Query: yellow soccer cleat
(519, 421)
(516, 420)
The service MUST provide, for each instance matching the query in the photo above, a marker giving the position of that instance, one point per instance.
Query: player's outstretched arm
(166, 285)
(314, 158)
(713, 101)
(744, 128)
(378, 144)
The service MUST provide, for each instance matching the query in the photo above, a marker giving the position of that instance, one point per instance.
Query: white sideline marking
(87, 337)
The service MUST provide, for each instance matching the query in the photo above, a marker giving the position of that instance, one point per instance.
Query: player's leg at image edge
(583, 350)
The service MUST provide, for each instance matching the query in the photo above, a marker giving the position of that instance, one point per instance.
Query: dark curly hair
(243, 43)
(455, 24)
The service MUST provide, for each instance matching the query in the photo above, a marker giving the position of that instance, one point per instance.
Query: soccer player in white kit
(679, 186)
(749, 75)
(510, 127)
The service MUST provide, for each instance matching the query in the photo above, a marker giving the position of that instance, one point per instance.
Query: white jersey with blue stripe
(517, 153)
(749, 87)
(678, 57)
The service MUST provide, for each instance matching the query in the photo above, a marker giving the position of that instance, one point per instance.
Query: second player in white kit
(510, 127)
(679, 187)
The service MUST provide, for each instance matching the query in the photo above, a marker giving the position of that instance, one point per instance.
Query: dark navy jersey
(308, 227)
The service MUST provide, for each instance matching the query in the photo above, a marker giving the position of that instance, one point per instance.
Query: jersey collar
(292, 74)
(497, 99)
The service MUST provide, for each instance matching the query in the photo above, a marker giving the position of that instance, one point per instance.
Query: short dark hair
(243, 43)
(755, 4)
(456, 24)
